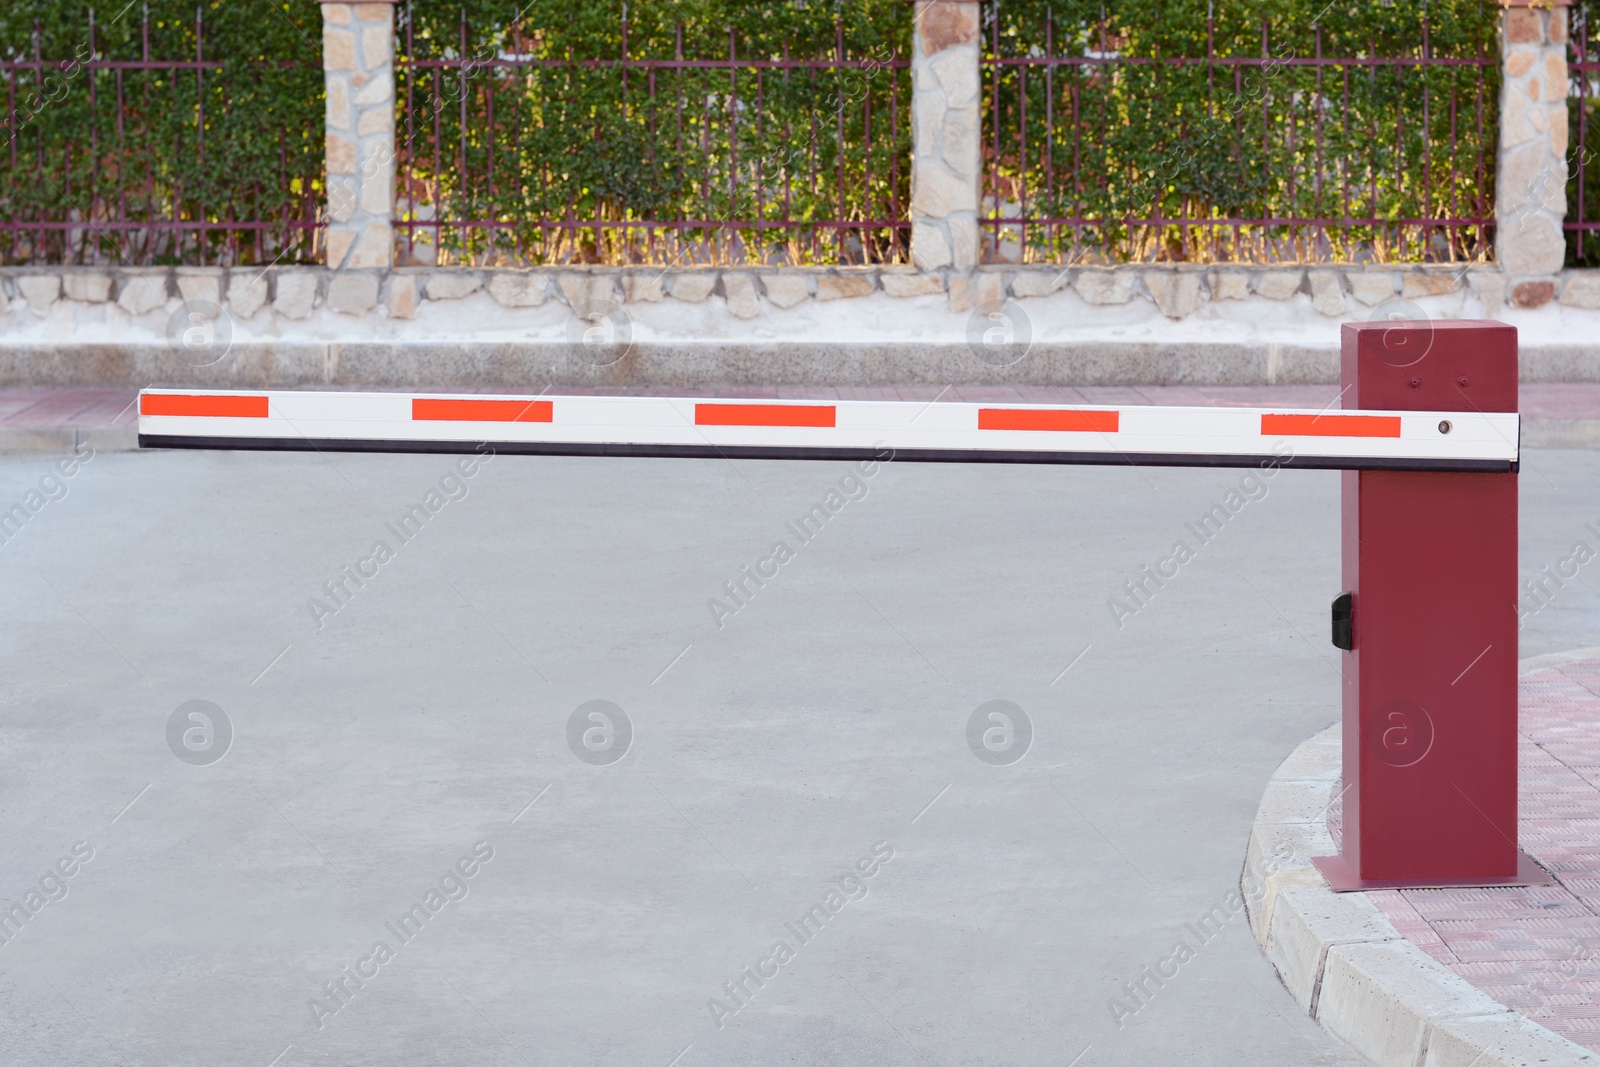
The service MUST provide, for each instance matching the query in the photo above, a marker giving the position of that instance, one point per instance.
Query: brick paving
(1535, 949)
(86, 408)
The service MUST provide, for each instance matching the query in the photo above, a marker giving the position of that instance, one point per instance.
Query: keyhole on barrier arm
(1400, 733)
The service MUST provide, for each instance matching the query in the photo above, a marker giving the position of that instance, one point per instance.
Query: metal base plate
(1342, 879)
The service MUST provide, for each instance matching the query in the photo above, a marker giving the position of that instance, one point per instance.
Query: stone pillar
(946, 165)
(358, 65)
(1531, 181)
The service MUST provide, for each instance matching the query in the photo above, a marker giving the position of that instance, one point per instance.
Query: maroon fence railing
(660, 144)
(116, 158)
(1260, 147)
(1583, 181)
(515, 147)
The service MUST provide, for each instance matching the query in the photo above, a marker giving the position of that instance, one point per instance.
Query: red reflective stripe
(213, 407)
(481, 410)
(1330, 425)
(764, 415)
(1032, 419)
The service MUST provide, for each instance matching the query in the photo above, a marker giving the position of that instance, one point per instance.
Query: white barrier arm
(797, 429)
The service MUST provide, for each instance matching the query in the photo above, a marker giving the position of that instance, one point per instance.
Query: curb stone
(1347, 965)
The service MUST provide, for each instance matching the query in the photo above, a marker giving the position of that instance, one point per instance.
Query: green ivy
(765, 166)
(759, 162)
(1201, 141)
(1583, 153)
(242, 142)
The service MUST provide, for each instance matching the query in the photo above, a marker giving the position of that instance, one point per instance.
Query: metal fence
(516, 147)
(117, 153)
(1271, 152)
(195, 136)
(1583, 181)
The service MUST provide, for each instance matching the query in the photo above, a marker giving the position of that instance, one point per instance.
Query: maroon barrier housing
(1430, 679)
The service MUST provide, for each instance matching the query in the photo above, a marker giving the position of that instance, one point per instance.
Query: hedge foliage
(1274, 141)
(71, 155)
(541, 124)
(788, 148)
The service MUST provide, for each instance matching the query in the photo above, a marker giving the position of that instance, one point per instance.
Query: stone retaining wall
(294, 293)
(443, 327)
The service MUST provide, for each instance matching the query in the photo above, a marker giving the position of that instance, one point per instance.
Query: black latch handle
(1344, 624)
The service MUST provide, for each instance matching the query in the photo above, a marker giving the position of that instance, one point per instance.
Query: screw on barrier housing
(1344, 634)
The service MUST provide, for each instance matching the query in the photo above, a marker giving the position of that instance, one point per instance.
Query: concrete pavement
(434, 718)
